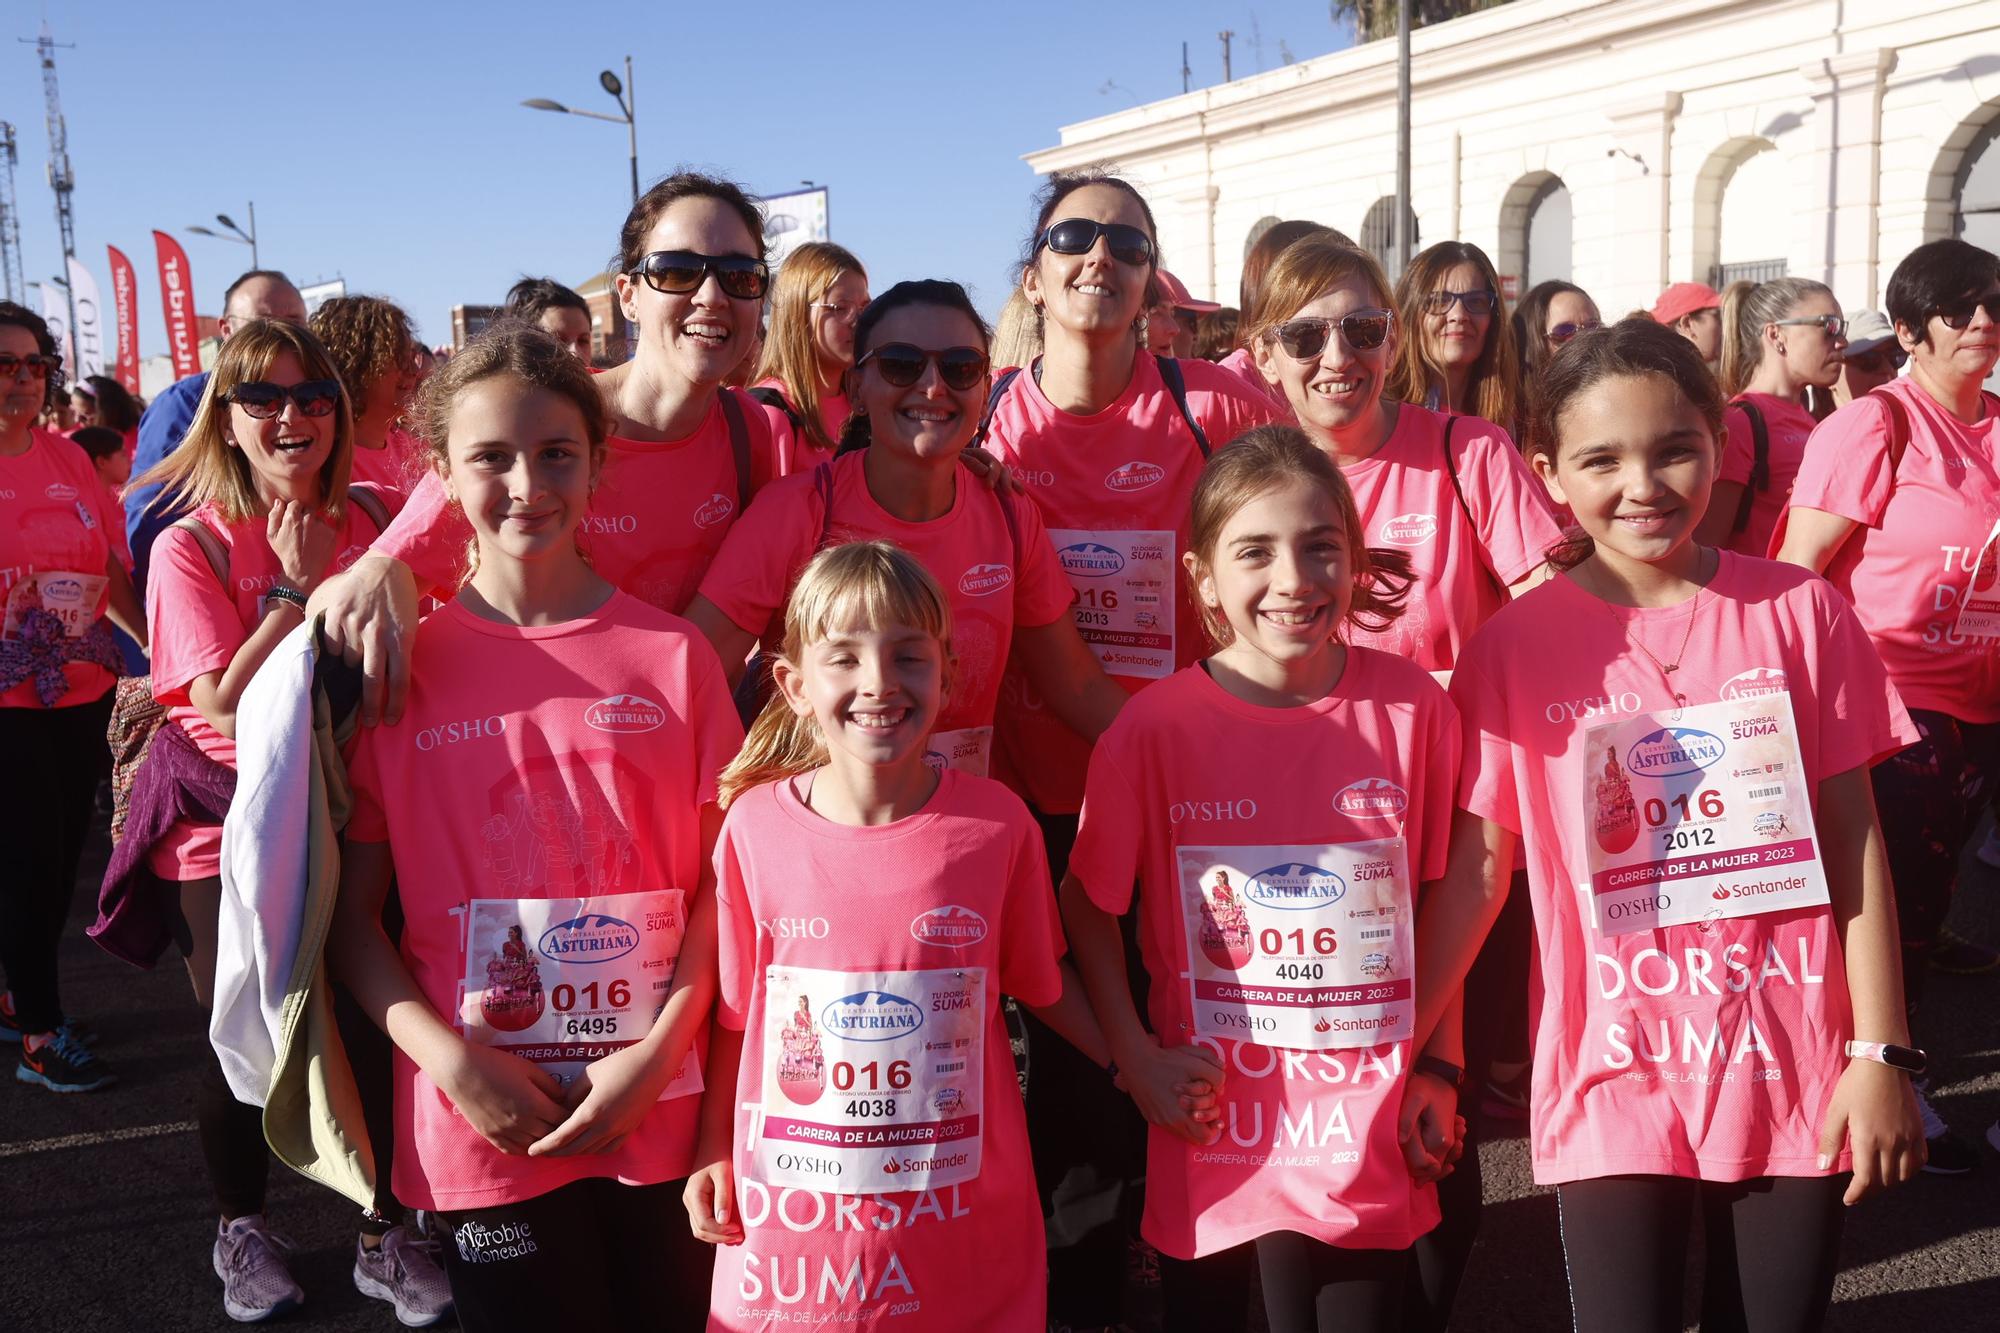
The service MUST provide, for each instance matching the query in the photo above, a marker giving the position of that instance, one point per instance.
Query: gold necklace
(1667, 669)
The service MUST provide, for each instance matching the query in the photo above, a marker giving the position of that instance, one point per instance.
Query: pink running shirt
(971, 551)
(660, 513)
(1706, 1050)
(1464, 566)
(1243, 364)
(833, 413)
(1906, 568)
(538, 762)
(54, 518)
(1787, 425)
(960, 887)
(1114, 488)
(1309, 1136)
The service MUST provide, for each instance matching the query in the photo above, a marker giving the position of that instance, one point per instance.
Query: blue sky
(384, 142)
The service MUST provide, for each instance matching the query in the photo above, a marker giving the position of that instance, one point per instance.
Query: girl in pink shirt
(1780, 338)
(685, 454)
(1681, 737)
(863, 1157)
(802, 366)
(545, 810)
(1276, 807)
(918, 387)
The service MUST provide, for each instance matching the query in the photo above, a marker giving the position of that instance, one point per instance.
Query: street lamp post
(621, 93)
(235, 233)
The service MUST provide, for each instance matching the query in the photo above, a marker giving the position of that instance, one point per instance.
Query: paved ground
(107, 1222)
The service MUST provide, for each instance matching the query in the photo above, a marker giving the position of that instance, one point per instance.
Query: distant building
(609, 340)
(469, 321)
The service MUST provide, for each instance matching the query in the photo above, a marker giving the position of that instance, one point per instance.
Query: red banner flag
(125, 301)
(177, 300)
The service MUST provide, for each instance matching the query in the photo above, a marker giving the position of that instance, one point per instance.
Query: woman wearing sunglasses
(372, 344)
(1454, 494)
(918, 384)
(1779, 339)
(264, 469)
(1459, 355)
(685, 454)
(809, 344)
(1896, 503)
(1108, 440)
(1545, 319)
(60, 580)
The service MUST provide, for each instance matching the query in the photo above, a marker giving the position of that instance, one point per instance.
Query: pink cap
(1176, 293)
(1684, 298)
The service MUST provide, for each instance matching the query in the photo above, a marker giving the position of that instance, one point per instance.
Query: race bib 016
(70, 597)
(566, 981)
(1709, 816)
(1124, 606)
(1304, 947)
(872, 1080)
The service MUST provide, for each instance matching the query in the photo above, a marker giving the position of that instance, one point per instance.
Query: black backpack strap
(739, 446)
(370, 503)
(770, 397)
(999, 391)
(1760, 463)
(1176, 382)
(1451, 420)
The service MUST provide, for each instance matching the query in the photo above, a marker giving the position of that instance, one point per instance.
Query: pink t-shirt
(541, 762)
(1114, 489)
(659, 515)
(1906, 568)
(394, 467)
(1707, 1049)
(1787, 426)
(959, 889)
(1189, 771)
(1464, 566)
(992, 585)
(1243, 363)
(197, 626)
(54, 519)
(833, 413)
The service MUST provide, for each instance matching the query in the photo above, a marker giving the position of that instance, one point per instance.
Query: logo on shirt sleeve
(717, 510)
(1755, 682)
(625, 713)
(952, 926)
(1408, 529)
(1134, 476)
(982, 580)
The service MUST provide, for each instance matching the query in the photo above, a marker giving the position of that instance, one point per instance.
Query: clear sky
(384, 142)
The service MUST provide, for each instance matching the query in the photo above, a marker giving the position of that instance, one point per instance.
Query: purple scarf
(136, 910)
(44, 648)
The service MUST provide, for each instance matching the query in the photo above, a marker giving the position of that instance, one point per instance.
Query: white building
(1621, 145)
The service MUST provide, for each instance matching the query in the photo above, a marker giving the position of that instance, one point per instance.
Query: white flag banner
(55, 310)
(89, 319)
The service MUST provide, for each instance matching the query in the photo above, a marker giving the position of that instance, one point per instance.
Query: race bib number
(566, 981)
(967, 749)
(1709, 816)
(872, 1080)
(71, 598)
(1124, 605)
(1304, 947)
(1979, 613)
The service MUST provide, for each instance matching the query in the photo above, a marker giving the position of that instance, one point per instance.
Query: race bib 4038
(1704, 817)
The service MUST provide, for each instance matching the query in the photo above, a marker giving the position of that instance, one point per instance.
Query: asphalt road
(107, 1222)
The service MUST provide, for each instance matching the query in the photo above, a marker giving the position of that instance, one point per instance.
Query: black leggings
(1625, 1241)
(50, 763)
(593, 1254)
(1928, 798)
(1313, 1287)
(1206, 1295)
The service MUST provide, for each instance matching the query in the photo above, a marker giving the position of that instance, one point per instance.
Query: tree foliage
(1372, 19)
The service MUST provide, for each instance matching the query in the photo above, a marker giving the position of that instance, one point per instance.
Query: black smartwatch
(1443, 1070)
(1904, 1059)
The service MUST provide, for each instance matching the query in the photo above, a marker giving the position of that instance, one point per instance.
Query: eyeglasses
(1959, 313)
(264, 400)
(903, 365)
(38, 366)
(1305, 338)
(1477, 302)
(678, 272)
(1836, 326)
(836, 309)
(1077, 236)
(1563, 332)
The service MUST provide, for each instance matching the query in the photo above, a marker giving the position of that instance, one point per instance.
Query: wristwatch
(281, 592)
(1906, 1059)
(1442, 1070)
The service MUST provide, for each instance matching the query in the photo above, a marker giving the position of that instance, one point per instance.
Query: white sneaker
(404, 1271)
(249, 1258)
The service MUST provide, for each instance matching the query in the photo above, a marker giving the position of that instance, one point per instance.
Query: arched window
(1976, 196)
(1754, 232)
(1548, 234)
(1378, 234)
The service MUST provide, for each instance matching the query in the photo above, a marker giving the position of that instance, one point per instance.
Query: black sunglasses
(1076, 236)
(264, 400)
(1959, 313)
(37, 365)
(903, 365)
(1305, 338)
(678, 272)
(1563, 332)
(1479, 301)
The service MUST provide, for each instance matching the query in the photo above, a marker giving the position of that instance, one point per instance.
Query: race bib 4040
(1306, 947)
(1704, 817)
(566, 981)
(1124, 606)
(873, 1081)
